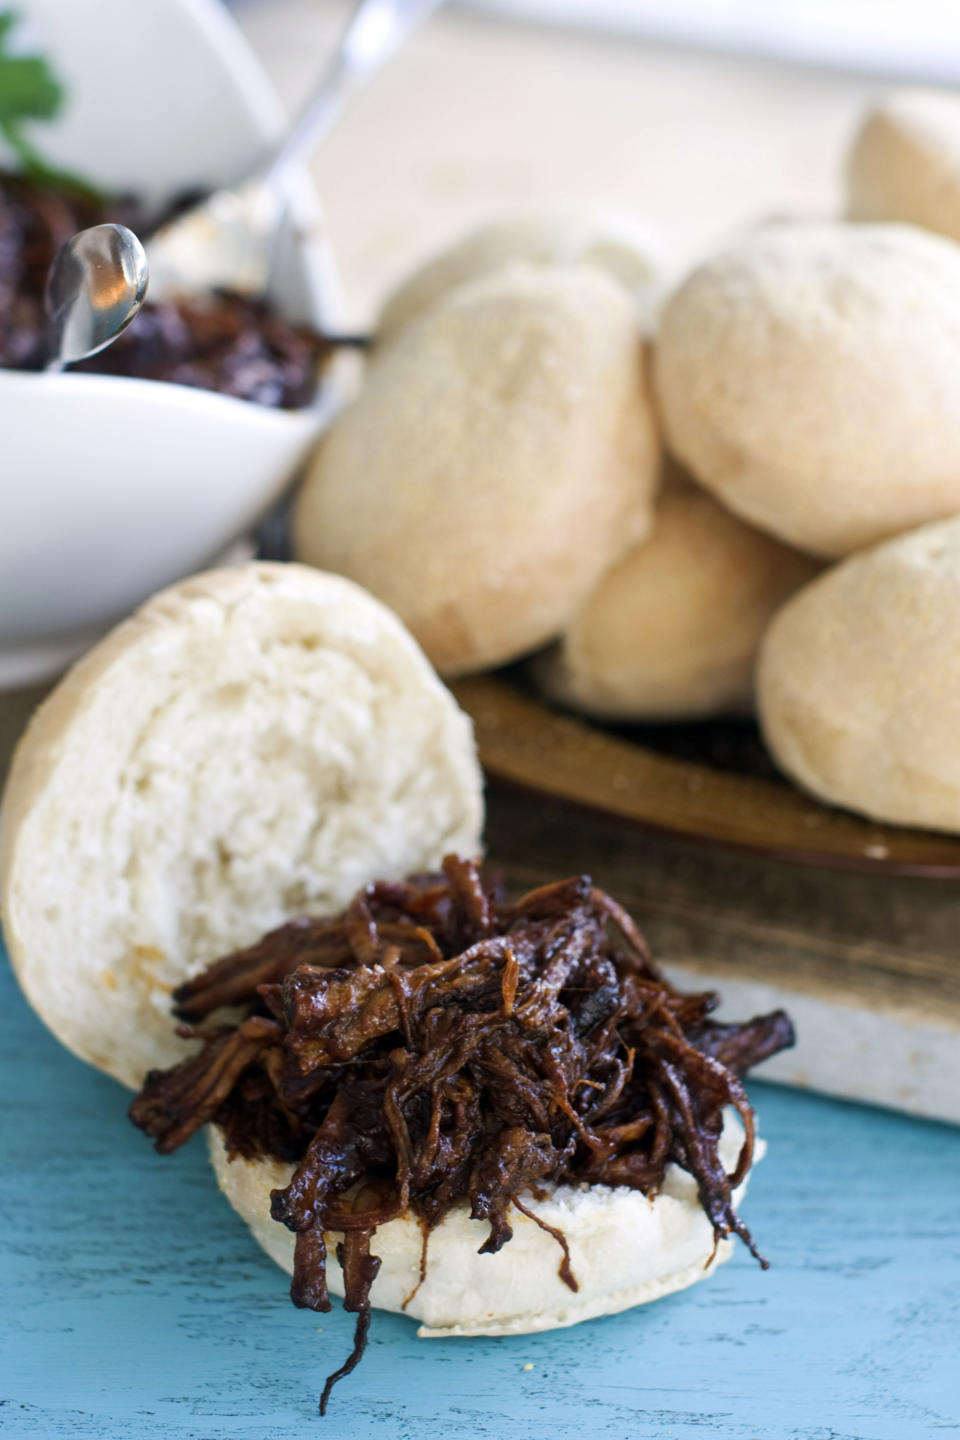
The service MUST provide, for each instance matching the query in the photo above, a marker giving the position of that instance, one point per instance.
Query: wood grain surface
(135, 1303)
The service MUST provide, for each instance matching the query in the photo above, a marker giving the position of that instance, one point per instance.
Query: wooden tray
(528, 744)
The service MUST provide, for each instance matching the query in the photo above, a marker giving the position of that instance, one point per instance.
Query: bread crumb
(528, 1366)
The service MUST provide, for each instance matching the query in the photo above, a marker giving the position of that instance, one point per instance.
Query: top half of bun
(251, 744)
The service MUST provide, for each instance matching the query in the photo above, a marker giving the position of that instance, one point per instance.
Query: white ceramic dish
(113, 487)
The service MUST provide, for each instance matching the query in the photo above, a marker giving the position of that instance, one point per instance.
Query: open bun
(253, 743)
(809, 377)
(625, 1249)
(543, 235)
(859, 682)
(502, 453)
(671, 631)
(905, 162)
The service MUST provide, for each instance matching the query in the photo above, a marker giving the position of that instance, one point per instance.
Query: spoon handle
(235, 237)
(377, 29)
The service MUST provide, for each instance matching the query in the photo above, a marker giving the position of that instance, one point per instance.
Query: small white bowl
(113, 487)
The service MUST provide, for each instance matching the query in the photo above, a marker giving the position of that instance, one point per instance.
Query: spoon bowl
(97, 284)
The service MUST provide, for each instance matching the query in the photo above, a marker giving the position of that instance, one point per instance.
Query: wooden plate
(526, 743)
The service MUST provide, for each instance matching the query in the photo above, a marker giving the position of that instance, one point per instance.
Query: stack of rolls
(736, 494)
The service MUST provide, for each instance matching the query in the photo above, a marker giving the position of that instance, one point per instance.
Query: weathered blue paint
(136, 1304)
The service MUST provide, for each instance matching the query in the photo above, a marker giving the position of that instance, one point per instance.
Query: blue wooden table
(136, 1304)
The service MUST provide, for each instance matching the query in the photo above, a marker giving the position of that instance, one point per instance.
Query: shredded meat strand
(436, 1044)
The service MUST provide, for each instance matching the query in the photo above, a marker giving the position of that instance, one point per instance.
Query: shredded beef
(436, 1042)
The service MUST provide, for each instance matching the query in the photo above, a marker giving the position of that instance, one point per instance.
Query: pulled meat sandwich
(439, 1075)
(491, 1113)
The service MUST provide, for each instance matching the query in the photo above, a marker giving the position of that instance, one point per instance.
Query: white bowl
(112, 487)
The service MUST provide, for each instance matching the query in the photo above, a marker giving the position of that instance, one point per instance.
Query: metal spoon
(96, 285)
(229, 238)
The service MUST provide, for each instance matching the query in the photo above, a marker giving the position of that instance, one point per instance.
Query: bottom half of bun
(625, 1249)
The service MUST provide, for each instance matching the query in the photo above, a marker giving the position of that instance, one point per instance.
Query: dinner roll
(859, 682)
(543, 235)
(671, 631)
(810, 377)
(625, 1249)
(905, 162)
(252, 744)
(501, 454)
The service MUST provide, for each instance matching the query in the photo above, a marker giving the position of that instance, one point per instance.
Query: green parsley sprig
(29, 90)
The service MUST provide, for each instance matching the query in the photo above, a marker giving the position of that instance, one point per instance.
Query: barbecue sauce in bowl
(219, 341)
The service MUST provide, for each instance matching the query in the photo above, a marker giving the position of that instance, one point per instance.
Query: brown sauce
(220, 341)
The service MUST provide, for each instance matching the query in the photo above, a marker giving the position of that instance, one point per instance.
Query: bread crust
(859, 682)
(809, 377)
(671, 631)
(541, 235)
(253, 742)
(502, 454)
(905, 162)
